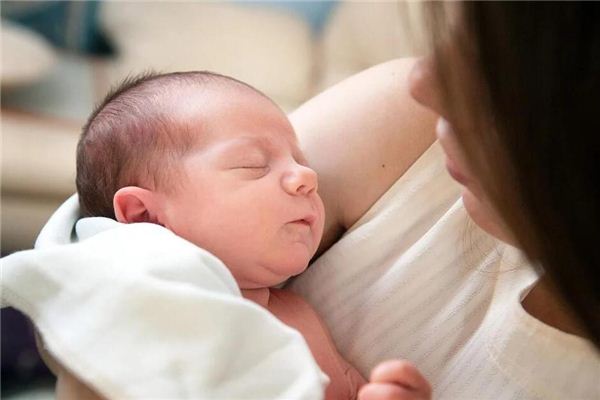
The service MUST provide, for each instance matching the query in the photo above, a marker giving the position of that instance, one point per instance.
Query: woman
(516, 87)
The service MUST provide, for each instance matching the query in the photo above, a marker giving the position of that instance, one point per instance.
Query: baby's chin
(277, 275)
(296, 265)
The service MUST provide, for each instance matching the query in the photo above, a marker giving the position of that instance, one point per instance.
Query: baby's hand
(395, 380)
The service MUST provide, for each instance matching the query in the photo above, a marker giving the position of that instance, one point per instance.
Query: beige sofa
(44, 107)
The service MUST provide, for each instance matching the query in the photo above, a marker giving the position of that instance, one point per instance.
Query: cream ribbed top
(414, 278)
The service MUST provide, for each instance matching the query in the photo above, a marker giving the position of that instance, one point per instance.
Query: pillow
(362, 34)
(26, 56)
(315, 12)
(269, 49)
(69, 25)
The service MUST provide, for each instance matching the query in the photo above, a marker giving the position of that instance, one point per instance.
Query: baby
(216, 162)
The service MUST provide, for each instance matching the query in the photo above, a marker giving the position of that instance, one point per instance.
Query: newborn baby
(216, 162)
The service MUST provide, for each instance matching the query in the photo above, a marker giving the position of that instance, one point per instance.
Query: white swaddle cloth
(137, 312)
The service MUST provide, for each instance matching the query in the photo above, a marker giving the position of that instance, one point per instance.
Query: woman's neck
(544, 303)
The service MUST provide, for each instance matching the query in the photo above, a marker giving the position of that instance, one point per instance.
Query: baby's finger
(388, 391)
(402, 373)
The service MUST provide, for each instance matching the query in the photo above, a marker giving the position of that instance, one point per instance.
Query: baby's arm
(360, 136)
(395, 380)
(69, 387)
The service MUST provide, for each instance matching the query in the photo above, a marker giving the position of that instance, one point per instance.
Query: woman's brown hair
(521, 81)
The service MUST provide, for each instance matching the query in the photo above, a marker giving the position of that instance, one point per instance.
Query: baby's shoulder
(289, 306)
(291, 309)
(288, 298)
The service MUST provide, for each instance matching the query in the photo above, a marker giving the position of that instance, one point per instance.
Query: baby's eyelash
(254, 172)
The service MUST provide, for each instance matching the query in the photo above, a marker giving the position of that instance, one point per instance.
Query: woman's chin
(484, 216)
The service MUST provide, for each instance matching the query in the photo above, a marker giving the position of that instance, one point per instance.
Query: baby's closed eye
(252, 160)
(252, 170)
(251, 166)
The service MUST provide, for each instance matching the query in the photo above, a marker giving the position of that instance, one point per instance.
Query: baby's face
(248, 195)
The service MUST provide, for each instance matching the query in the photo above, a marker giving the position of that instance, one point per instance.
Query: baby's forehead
(242, 116)
(211, 99)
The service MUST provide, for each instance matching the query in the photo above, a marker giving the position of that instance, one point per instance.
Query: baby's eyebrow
(254, 141)
(262, 144)
(244, 143)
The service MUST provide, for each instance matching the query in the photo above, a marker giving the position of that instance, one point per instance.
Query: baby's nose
(300, 180)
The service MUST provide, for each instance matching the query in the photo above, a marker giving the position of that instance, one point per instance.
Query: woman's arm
(360, 136)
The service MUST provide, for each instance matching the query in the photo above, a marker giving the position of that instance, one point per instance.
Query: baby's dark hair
(131, 138)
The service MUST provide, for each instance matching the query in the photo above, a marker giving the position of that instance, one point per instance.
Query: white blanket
(137, 312)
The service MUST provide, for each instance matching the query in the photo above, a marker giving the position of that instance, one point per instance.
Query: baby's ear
(135, 204)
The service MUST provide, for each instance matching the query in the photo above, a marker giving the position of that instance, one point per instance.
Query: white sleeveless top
(414, 278)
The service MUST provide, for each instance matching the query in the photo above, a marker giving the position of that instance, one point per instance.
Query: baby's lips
(311, 218)
(307, 219)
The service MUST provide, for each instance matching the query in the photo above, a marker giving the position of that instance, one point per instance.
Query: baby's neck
(260, 295)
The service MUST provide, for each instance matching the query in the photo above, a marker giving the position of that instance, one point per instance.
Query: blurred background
(59, 58)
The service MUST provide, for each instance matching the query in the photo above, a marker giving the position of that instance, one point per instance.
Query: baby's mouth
(301, 222)
(307, 220)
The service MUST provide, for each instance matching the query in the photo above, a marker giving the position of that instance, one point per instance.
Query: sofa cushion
(38, 155)
(38, 173)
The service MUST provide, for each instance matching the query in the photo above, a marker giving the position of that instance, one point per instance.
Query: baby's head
(211, 159)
